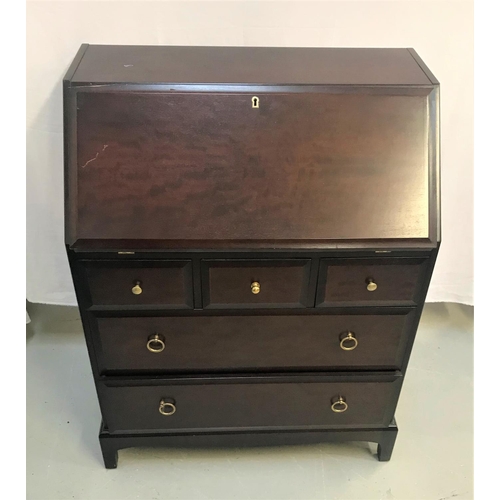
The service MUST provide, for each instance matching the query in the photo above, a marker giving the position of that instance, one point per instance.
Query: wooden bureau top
(194, 147)
(102, 64)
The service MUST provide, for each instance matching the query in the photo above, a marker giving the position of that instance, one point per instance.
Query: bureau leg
(109, 454)
(386, 444)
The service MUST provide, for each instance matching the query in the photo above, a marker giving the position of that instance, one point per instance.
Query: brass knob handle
(136, 289)
(339, 406)
(156, 343)
(349, 342)
(371, 286)
(255, 287)
(166, 408)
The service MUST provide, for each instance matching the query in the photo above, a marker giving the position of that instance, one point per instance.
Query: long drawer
(250, 403)
(247, 342)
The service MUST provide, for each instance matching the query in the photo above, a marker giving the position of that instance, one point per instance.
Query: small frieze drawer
(260, 283)
(368, 281)
(140, 283)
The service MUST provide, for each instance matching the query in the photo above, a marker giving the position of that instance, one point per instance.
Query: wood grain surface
(344, 281)
(248, 406)
(245, 65)
(166, 283)
(210, 167)
(227, 283)
(252, 343)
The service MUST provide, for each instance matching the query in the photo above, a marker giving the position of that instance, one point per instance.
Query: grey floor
(432, 458)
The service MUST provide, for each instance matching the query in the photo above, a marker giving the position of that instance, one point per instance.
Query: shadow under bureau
(251, 234)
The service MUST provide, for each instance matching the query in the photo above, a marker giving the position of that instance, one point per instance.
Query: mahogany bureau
(251, 234)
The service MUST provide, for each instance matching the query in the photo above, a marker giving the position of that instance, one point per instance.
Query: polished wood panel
(248, 405)
(165, 283)
(282, 283)
(210, 167)
(246, 65)
(344, 281)
(253, 343)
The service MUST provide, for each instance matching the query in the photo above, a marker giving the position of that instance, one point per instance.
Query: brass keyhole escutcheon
(255, 286)
(371, 286)
(136, 289)
(255, 102)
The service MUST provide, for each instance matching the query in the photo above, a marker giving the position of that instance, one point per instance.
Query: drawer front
(253, 343)
(249, 405)
(255, 283)
(166, 284)
(374, 281)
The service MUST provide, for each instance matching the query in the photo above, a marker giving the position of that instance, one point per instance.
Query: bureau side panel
(209, 166)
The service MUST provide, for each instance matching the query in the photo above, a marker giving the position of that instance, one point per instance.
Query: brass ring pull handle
(371, 286)
(136, 289)
(166, 408)
(156, 343)
(255, 287)
(349, 342)
(339, 406)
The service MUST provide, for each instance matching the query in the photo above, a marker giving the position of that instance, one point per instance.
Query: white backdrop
(440, 31)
